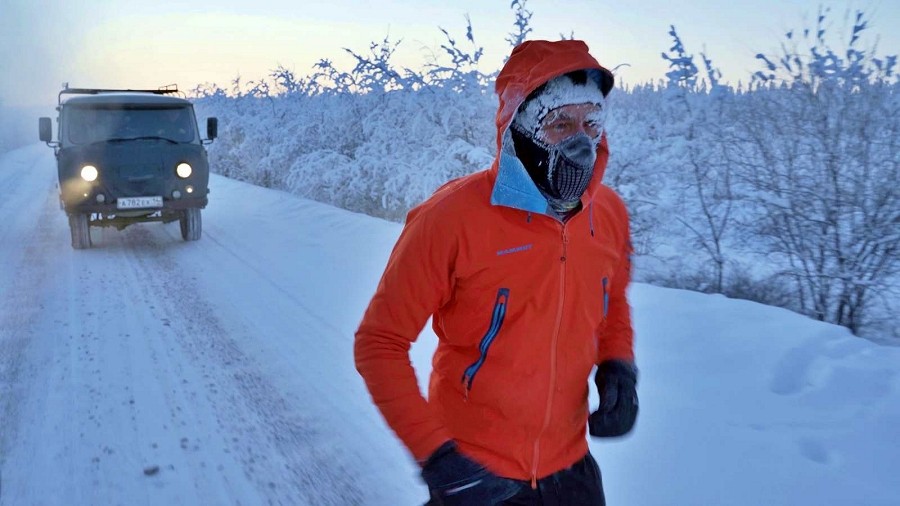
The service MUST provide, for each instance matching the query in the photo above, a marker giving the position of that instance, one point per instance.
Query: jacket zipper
(550, 394)
(497, 316)
(605, 296)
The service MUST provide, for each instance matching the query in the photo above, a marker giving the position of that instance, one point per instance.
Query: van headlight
(184, 170)
(89, 173)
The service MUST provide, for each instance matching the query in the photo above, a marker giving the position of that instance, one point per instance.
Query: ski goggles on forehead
(568, 120)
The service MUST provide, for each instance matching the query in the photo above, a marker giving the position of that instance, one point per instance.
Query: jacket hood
(530, 65)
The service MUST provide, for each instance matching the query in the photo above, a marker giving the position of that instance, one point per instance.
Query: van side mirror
(212, 128)
(45, 127)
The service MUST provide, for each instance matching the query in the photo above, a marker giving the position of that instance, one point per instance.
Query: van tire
(80, 226)
(191, 224)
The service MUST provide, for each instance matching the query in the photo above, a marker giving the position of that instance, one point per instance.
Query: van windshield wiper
(142, 138)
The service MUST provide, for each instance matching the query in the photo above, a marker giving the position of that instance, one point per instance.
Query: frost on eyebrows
(572, 88)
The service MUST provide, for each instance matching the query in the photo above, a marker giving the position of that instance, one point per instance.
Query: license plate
(139, 202)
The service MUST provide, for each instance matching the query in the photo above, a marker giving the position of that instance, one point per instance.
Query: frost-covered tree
(461, 70)
(638, 163)
(375, 139)
(696, 126)
(522, 22)
(820, 141)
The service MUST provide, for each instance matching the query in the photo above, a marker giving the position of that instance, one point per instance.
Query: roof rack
(162, 90)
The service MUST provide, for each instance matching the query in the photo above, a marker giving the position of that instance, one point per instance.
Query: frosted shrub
(376, 139)
(639, 164)
(780, 192)
(377, 153)
(671, 164)
(821, 160)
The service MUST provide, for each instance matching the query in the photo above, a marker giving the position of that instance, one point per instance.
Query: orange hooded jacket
(523, 305)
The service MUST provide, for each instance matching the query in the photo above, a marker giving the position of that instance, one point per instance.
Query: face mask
(572, 167)
(563, 171)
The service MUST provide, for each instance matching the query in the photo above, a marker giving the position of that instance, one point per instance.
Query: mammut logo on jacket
(510, 251)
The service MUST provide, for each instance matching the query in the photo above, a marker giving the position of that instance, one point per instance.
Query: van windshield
(89, 124)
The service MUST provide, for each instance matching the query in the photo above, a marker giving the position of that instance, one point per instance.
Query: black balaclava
(561, 171)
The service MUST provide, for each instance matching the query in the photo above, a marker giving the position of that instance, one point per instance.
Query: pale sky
(146, 44)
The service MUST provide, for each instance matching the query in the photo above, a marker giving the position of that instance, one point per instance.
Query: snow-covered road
(150, 371)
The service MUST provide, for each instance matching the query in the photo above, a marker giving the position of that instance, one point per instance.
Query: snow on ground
(152, 371)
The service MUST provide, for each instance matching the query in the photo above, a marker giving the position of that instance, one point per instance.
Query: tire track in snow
(279, 447)
(326, 325)
(278, 452)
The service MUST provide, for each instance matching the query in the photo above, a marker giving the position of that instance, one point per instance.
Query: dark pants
(578, 485)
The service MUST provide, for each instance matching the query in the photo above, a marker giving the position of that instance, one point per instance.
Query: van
(129, 156)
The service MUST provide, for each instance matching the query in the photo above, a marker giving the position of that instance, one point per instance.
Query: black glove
(456, 480)
(616, 383)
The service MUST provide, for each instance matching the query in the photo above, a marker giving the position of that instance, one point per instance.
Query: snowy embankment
(152, 371)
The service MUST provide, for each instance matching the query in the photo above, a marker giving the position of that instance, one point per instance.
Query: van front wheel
(80, 226)
(191, 224)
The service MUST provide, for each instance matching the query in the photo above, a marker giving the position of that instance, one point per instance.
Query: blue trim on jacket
(514, 187)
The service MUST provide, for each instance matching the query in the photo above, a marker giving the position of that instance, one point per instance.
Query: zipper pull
(466, 385)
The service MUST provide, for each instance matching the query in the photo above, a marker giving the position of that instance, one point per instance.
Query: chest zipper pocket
(605, 297)
(497, 316)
